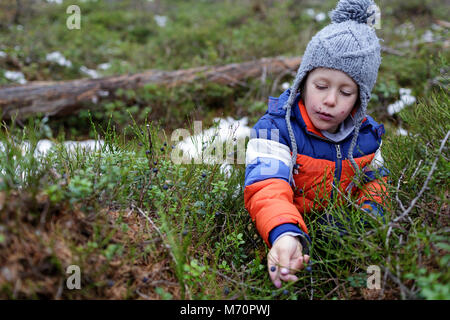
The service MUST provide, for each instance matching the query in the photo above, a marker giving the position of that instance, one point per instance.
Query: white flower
(91, 73)
(406, 99)
(310, 12)
(404, 29)
(104, 66)
(88, 145)
(285, 85)
(58, 58)
(402, 132)
(160, 20)
(427, 36)
(15, 76)
(320, 17)
(227, 131)
(103, 93)
(395, 107)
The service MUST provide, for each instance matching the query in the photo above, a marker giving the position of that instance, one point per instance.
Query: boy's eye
(320, 87)
(346, 93)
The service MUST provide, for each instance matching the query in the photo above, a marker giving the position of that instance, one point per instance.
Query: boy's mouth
(325, 116)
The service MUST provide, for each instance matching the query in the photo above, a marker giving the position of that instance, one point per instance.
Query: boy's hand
(285, 259)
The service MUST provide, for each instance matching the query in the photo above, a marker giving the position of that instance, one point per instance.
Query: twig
(346, 198)
(44, 213)
(157, 230)
(417, 169)
(60, 290)
(144, 189)
(385, 278)
(264, 75)
(388, 235)
(158, 282)
(398, 189)
(332, 291)
(392, 51)
(162, 238)
(433, 167)
(443, 23)
(230, 78)
(142, 295)
(242, 284)
(403, 288)
(277, 80)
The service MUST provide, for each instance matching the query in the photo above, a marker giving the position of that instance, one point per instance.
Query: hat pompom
(357, 10)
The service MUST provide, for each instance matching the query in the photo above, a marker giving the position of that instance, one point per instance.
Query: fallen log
(67, 97)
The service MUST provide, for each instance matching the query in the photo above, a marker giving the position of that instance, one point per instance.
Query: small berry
(173, 146)
(185, 233)
(285, 292)
(162, 149)
(203, 175)
(217, 213)
(110, 283)
(140, 144)
(155, 163)
(308, 268)
(165, 187)
(144, 279)
(226, 290)
(165, 144)
(147, 152)
(273, 268)
(155, 170)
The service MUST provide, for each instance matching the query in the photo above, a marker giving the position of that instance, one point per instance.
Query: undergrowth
(140, 226)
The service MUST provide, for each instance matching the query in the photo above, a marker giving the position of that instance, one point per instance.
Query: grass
(140, 226)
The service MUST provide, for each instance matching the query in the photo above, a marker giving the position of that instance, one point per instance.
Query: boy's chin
(326, 127)
(331, 129)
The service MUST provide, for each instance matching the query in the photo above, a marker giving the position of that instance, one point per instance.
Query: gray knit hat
(348, 44)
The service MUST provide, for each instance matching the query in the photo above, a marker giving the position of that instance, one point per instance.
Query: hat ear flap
(302, 88)
(294, 89)
(357, 105)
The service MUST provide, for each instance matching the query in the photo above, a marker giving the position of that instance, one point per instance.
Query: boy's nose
(330, 99)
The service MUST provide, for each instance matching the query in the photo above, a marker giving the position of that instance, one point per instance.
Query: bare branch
(433, 167)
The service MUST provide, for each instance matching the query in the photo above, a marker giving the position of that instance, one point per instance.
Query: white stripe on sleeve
(378, 160)
(264, 148)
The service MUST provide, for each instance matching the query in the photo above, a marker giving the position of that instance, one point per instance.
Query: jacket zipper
(338, 169)
(337, 174)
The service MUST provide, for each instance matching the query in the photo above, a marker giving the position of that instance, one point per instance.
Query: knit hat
(349, 44)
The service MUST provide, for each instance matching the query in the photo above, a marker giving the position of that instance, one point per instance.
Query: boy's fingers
(285, 260)
(306, 258)
(289, 277)
(274, 269)
(297, 264)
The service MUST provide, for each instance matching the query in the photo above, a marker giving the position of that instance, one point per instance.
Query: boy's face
(330, 96)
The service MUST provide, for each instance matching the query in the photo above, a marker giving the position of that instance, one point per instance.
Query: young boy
(316, 139)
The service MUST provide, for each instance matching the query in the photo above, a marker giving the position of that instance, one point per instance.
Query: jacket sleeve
(268, 197)
(374, 190)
